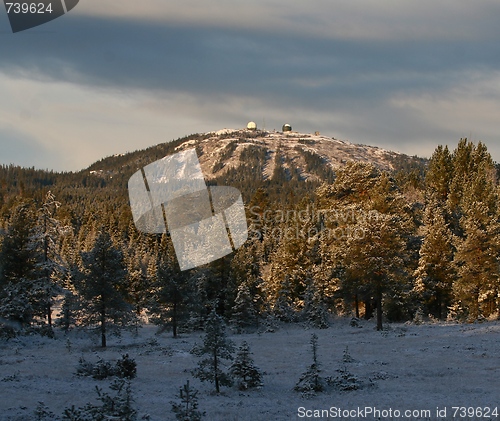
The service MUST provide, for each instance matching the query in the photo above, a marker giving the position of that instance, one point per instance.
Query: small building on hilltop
(286, 128)
(252, 126)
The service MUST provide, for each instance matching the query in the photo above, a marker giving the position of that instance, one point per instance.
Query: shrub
(125, 368)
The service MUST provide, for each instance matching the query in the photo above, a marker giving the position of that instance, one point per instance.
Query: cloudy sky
(118, 75)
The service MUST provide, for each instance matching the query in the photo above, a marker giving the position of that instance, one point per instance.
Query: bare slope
(312, 155)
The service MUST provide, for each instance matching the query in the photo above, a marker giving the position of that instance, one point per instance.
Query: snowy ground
(408, 367)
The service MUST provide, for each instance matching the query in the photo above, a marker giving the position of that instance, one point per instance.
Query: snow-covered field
(406, 368)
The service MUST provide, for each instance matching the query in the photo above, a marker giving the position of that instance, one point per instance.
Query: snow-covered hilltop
(224, 149)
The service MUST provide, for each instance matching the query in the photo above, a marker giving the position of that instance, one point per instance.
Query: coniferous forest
(418, 244)
(420, 241)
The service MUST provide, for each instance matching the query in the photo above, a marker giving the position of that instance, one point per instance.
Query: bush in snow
(42, 412)
(126, 368)
(112, 407)
(345, 381)
(7, 331)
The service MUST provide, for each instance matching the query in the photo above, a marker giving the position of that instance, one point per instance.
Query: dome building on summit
(252, 126)
(286, 128)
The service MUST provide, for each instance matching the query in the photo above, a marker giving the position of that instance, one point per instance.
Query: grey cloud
(295, 74)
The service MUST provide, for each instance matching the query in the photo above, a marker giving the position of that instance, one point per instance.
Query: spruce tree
(170, 295)
(17, 263)
(311, 381)
(101, 286)
(138, 279)
(243, 369)
(243, 311)
(435, 273)
(50, 269)
(216, 347)
(315, 312)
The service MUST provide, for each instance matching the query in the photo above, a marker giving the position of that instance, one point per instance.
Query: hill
(287, 165)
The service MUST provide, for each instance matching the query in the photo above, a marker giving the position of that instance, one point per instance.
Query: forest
(419, 242)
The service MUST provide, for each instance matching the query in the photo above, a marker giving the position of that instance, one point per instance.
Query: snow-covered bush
(119, 406)
(345, 380)
(126, 368)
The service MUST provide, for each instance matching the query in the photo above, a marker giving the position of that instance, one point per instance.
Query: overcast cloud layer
(119, 75)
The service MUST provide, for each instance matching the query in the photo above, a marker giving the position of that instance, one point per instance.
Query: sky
(113, 76)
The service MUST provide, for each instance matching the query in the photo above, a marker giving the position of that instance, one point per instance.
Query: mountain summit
(284, 162)
(310, 157)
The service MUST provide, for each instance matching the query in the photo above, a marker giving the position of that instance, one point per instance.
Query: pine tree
(170, 295)
(217, 347)
(311, 381)
(474, 202)
(67, 315)
(435, 273)
(477, 264)
(17, 262)
(101, 286)
(243, 369)
(364, 235)
(50, 268)
(374, 250)
(315, 312)
(138, 279)
(187, 409)
(439, 174)
(243, 311)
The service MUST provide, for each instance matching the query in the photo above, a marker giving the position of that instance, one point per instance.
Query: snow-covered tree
(216, 348)
(50, 268)
(245, 298)
(377, 257)
(243, 312)
(435, 273)
(101, 286)
(17, 263)
(170, 295)
(311, 381)
(314, 311)
(474, 202)
(138, 276)
(477, 264)
(369, 228)
(243, 369)
(187, 408)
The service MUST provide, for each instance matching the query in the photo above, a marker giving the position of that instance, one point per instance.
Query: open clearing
(407, 367)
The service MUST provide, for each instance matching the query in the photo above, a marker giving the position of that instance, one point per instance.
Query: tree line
(400, 244)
